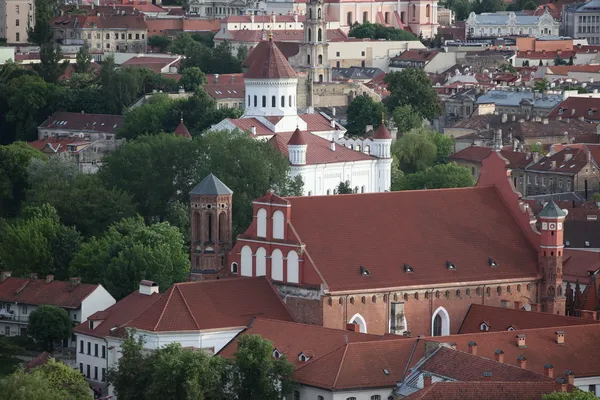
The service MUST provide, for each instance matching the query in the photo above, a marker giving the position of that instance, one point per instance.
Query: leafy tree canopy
(22, 386)
(344, 188)
(8, 356)
(412, 87)
(191, 78)
(159, 42)
(575, 395)
(51, 66)
(49, 325)
(437, 177)
(363, 111)
(406, 118)
(368, 30)
(64, 378)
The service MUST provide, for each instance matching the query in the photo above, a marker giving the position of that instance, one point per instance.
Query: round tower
(297, 147)
(382, 149)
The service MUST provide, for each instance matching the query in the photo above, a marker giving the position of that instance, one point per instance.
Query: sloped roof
(499, 319)
(576, 107)
(106, 123)
(211, 185)
(269, 63)
(182, 130)
(382, 132)
(484, 390)
(579, 264)
(194, 306)
(56, 145)
(38, 292)
(314, 123)
(297, 139)
(478, 225)
(551, 210)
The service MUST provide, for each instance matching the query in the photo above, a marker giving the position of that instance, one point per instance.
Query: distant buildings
(15, 17)
(582, 21)
(505, 24)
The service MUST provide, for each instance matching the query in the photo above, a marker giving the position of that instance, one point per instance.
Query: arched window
(365, 16)
(197, 224)
(414, 11)
(282, 101)
(278, 222)
(246, 258)
(273, 101)
(234, 268)
(255, 101)
(264, 101)
(292, 267)
(209, 226)
(261, 262)
(551, 291)
(308, 59)
(427, 11)
(223, 227)
(320, 58)
(368, 149)
(309, 35)
(310, 13)
(319, 13)
(362, 189)
(360, 321)
(261, 223)
(440, 323)
(320, 35)
(328, 192)
(277, 265)
(321, 78)
(248, 100)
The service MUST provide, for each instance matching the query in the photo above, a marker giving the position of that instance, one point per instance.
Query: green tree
(14, 159)
(508, 68)
(8, 356)
(41, 33)
(257, 375)
(64, 378)
(344, 188)
(131, 251)
(49, 325)
(22, 386)
(444, 145)
(537, 148)
(159, 114)
(178, 215)
(191, 78)
(570, 60)
(159, 42)
(462, 9)
(51, 66)
(368, 30)
(575, 395)
(439, 176)
(130, 378)
(412, 87)
(415, 151)
(541, 85)
(363, 111)
(38, 243)
(83, 60)
(242, 52)
(406, 118)
(559, 61)
(596, 197)
(487, 6)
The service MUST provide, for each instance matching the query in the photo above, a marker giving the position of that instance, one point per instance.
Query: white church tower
(382, 149)
(271, 90)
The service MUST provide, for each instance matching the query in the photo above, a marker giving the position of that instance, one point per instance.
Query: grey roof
(502, 19)
(552, 210)
(510, 98)
(211, 185)
(356, 73)
(590, 6)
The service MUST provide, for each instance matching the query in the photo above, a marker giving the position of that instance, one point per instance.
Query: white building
(314, 143)
(201, 315)
(504, 24)
(19, 297)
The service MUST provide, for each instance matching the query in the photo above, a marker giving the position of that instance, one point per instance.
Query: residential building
(227, 90)
(491, 390)
(313, 142)
(109, 31)
(15, 17)
(431, 61)
(376, 291)
(586, 108)
(521, 101)
(582, 21)
(509, 24)
(219, 9)
(19, 297)
(160, 65)
(172, 26)
(445, 17)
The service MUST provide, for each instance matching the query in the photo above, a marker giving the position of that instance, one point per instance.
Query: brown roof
(292, 37)
(182, 130)
(382, 132)
(268, 62)
(576, 107)
(117, 315)
(38, 292)
(484, 390)
(226, 90)
(193, 306)
(297, 139)
(82, 122)
(416, 55)
(580, 264)
(565, 69)
(476, 227)
(106, 20)
(499, 319)
(591, 294)
(570, 161)
(318, 150)
(579, 352)
(314, 123)
(478, 153)
(55, 145)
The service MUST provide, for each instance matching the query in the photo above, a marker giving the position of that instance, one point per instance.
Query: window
(95, 373)
(365, 17)
(255, 101)
(17, 36)
(103, 374)
(24, 309)
(362, 53)
(81, 367)
(89, 36)
(320, 58)
(264, 101)
(17, 23)
(273, 101)
(282, 101)
(320, 398)
(129, 36)
(296, 395)
(108, 45)
(349, 19)
(17, 9)
(103, 352)
(290, 101)
(89, 348)
(96, 349)
(116, 36)
(376, 397)
(137, 36)
(88, 371)
(108, 35)
(308, 59)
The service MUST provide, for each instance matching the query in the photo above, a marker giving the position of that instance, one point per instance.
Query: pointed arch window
(310, 35)
(320, 35)
(319, 13)
(320, 58)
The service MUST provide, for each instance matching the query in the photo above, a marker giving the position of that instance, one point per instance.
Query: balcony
(11, 316)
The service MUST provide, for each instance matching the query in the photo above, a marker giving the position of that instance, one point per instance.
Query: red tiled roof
(314, 123)
(117, 315)
(361, 365)
(292, 338)
(318, 150)
(56, 145)
(565, 69)
(477, 226)
(226, 90)
(106, 20)
(463, 366)
(478, 153)
(579, 353)
(269, 63)
(297, 138)
(382, 132)
(281, 36)
(193, 306)
(576, 107)
(106, 123)
(163, 26)
(558, 162)
(39, 360)
(182, 130)
(580, 264)
(499, 319)
(546, 55)
(38, 292)
(416, 55)
(484, 390)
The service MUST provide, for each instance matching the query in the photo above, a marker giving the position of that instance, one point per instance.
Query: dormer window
(561, 110)
(303, 357)
(567, 243)
(364, 271)
(91, 324)
(277, 353)
(484, 327)
(492, 262)
(587, 244)
(408, 268)
(450, 265)
(511, 328)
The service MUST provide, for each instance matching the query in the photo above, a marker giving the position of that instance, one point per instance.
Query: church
(405, 263)
(314, 143)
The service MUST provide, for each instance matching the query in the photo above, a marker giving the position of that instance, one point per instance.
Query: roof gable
(269, 63)
(211, 185)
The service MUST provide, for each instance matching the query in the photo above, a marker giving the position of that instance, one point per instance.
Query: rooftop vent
(408, 268)
(450, 265)
(386, 371)
(364, 271)
(586, 244)
(492, 262)
(592, 217)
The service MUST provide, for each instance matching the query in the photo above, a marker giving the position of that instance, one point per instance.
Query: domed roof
(182, 130)
(269, 63)
(297, 139)
(382, 132)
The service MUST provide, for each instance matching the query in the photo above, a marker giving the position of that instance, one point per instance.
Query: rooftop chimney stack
(426, 380)
(561, 385)
(522, 362)
(216, 78)
(517, 305)
(332, 145)
(4, 275)
(253, 130)
(570, 377)
(148, 287)
(499, 356)
(473, 348)
(560, 337)
(521, 341)
(549, 370)
(49, 278)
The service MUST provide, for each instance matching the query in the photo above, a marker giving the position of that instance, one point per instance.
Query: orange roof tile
(580, 264)
(38, 292)
(577, 107)
(182, 130)
(106, 123)
(484, 390)
(269, 63)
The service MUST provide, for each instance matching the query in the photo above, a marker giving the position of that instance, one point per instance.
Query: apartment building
(15, 17)
(582, 21)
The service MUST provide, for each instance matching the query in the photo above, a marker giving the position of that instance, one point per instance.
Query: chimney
(253, 130)
(521, 341)
(549, 370)
(75, 281)
(148, 287)
(83, 112)
(49, 278)
(522, 362)
(33, 276)
(517, 305)
(570, 377)
(368, 128)
(499, 356)
(572, 111)
(560, 337)
(332, 145)
(353, 327)
(473, 348)
(504, 118)
(545, 121)
(332, 123)
(553, 164)
(216, 79)
(181, 90)
(426, 380)
(232, 79)
(561, 385)
(487, 376)
(534, 306)
(588, 314)
(4, 275)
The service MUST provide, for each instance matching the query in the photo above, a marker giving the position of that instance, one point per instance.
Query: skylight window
(386, 371)
(408, 268)
(364, 271)
(450, 265)
(492, 262)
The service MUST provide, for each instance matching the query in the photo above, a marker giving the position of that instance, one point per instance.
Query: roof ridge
(529, 312)
(322, 357)
(392, 193)
(497, 362)
(337, 375)
(164, 308)
(187, 307)
(487, 333)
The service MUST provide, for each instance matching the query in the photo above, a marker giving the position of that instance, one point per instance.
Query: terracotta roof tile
(382, 132)
(55, 145)
(314, 123)
(416, 55)
(193, 306)
(37, 291)
(269, 63)
(576, 107)
(570, 160)
(484, 390)
(81, 122)
(297, 139)
(580, 264)
(591, 294)
(500, 319)
(182, 130)
(478, 226)
(291, 37)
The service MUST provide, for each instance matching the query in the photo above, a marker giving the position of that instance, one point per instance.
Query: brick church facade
(407, 262)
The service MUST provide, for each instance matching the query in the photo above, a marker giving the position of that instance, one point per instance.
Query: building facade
(505, 24)
(582, 21)
(15, 17)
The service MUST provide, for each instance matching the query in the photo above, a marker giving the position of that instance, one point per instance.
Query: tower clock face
(552, 226)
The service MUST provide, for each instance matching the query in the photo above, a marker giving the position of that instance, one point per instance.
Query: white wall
(584, 383)
(377, 53)
(200, 340)
(98, 300)
(321, 177)
(6, 53)
(312, 393)
(83, 359)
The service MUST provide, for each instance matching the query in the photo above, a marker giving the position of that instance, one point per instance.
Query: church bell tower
(551, 258)
(211, 237)
(314, 44)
